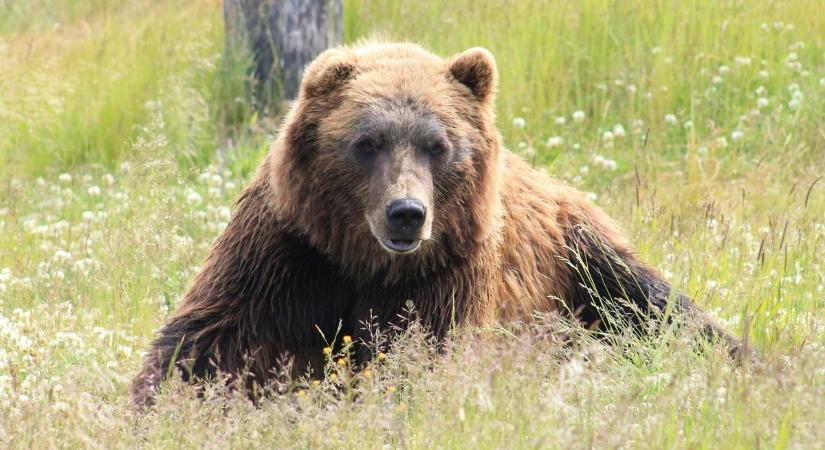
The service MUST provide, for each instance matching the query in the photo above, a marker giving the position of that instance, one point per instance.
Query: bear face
(386, 148)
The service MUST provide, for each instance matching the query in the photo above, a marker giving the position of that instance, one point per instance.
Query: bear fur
(301, 253)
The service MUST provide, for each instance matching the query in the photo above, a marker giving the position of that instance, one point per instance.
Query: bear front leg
(193, 347)
(611, 288)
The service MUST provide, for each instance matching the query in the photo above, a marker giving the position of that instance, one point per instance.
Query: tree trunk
(283, 37)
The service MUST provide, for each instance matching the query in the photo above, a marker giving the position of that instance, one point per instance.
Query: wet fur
(506, 240)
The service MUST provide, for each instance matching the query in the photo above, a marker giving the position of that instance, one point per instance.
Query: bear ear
(476, 69)
(330, 70)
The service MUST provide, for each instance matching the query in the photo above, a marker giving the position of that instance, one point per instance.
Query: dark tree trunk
(283, 36)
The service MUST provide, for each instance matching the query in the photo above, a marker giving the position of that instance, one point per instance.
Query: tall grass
(126, 133)
(90, 90)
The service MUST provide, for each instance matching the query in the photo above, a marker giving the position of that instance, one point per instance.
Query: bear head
(389, 159)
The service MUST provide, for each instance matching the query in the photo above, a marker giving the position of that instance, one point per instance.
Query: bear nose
(406, 215)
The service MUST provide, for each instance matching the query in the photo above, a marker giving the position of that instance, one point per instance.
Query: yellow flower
(367, 373)
(316, 382)
(333, 376)
(390, 388)
(327, 350)
(347, 339)
(301, 393)
(342, 362)
(381, 356)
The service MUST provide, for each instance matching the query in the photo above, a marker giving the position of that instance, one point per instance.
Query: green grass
(125, 135)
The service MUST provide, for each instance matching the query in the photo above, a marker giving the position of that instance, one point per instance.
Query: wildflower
(742, 61)
(737, 135)
(792, 56)
(65, 178)
(618, 131)
(381, 356)
(301, 393)
(125, 166)
(327, 350)
(584, 170)
(656, 50)
(722, 142)
(762, 102)
(367, 373)
(761, 90)
(391, 388)
(193, 198)
(578, 116)
(670, 119)
(822, 82)
(561, 120)
(793, 104)
(702, 150)
(108, 179)
(60, 407)
(94, 191)
(716, 79)
(763, 74)
(555, 141)
(519, 122)
(688, 125)
(591, 196)
(316, 382)
(723, 70)
(607, 136)
(347, 339)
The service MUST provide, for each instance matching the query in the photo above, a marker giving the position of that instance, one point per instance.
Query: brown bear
(387, 184)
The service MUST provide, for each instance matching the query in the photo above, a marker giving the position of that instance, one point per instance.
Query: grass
(125, 135)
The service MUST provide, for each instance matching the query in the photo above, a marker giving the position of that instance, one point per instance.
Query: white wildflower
(618, 131)
(519, 122)
(94, 191)
(65, 178)
(555, 141)
(671, 119)
(578, 116)
(193, 198)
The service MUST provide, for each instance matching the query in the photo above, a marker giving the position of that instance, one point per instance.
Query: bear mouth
(401, 245)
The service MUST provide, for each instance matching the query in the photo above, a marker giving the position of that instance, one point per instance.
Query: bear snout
(405, 217)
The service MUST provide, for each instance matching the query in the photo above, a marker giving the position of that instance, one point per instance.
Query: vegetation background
(126, 132)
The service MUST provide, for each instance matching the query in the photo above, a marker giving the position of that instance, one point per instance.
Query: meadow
(126, 133)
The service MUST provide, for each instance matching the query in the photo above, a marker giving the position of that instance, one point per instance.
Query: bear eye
(366, 147)
(436, 149)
